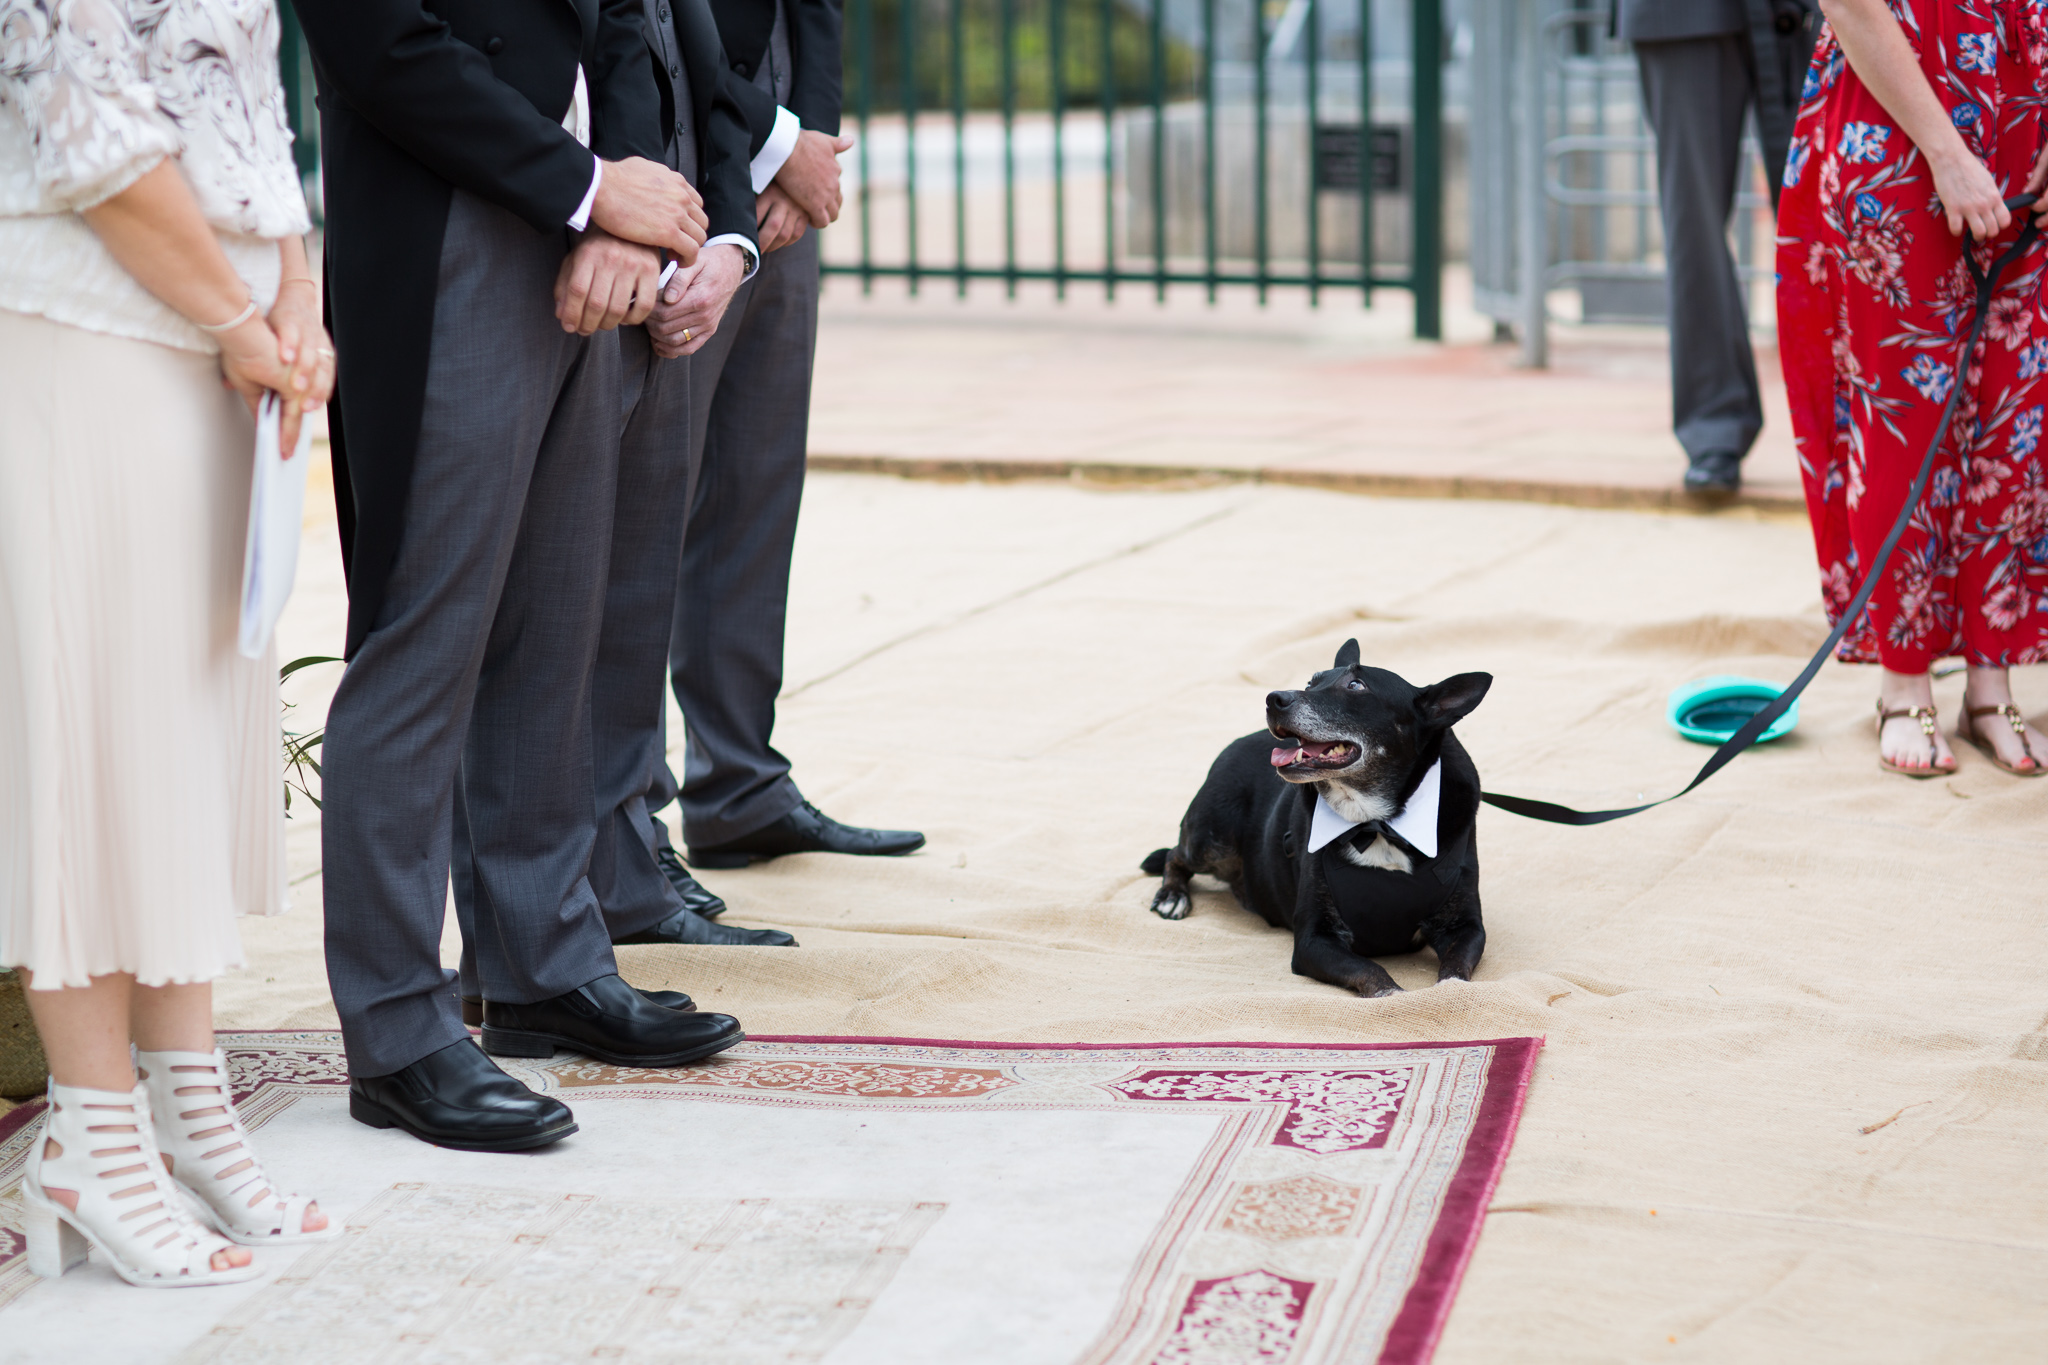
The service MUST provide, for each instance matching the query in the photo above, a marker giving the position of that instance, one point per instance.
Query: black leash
(1987, 283)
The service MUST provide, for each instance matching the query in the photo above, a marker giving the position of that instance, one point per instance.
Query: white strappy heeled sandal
(98, 1144)
(206, 1149)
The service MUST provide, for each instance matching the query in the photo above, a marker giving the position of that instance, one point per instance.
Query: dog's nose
(1279, 701)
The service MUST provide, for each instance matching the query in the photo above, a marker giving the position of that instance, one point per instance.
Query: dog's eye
(1354, 685)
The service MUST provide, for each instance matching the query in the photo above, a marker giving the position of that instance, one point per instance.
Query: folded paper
(277, 503)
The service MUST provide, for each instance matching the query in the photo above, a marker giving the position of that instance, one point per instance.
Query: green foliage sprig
(300, 744)
(978, 68)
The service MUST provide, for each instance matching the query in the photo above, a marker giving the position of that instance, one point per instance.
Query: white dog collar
(1416, 823)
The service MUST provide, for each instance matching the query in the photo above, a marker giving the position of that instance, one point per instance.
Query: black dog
(1317, 835)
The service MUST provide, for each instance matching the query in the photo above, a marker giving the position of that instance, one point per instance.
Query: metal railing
(1125, 142)
(1138, 142)
(1557, 122)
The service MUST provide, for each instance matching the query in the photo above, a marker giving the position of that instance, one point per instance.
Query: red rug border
(20, 1114)
(1504, 1043)
(1413, 1338)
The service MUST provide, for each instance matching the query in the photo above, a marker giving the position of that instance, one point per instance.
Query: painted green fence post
(1427, 268)
(293, 72)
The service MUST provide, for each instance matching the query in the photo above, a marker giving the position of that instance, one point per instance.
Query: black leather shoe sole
(715, 858)
(705, 858)
(705, 934)
(368, 1111)
(807, 830)
(506, 1042)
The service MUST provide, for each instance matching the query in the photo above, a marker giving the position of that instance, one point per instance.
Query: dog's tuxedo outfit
(1380, 906)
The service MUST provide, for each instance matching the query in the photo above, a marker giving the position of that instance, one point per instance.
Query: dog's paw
(1172, 904)
(1379, 992)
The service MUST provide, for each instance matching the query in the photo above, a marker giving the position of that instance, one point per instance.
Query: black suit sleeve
(403, 70)
(625, 103)
(816, 90)
(727, 178)
(756, 106)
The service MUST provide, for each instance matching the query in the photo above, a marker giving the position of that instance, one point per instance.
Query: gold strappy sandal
(1966, 730)
(1925, 715)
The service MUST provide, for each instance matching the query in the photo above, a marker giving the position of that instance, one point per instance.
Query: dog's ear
(1347, 655)
(1446, 703)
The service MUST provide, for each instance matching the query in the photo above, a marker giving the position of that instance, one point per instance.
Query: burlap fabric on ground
(1792, 1099)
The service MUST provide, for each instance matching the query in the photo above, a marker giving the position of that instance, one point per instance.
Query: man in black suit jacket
(710, 143)
(750, 415)
(479, 254)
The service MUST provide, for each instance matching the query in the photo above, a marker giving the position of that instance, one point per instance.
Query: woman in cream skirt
(153, 285)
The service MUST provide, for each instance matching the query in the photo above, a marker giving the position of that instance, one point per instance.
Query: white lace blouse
(93, 94)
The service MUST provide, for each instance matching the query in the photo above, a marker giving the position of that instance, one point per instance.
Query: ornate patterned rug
(867, 1201)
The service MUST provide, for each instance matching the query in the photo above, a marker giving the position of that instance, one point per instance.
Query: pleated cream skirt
(141, 805)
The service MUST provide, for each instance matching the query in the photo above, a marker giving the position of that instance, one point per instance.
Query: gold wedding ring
(686, 336)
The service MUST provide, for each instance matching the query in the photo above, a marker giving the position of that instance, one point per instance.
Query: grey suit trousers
(657, 472)
(750, 415)
(469, 701)
(1695, 92)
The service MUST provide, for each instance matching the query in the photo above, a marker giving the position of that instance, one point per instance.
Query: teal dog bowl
(1711, 710)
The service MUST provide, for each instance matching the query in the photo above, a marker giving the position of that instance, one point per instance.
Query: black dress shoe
(685, 926)
(806, 830)
(457, 1098)
(696, 896)
(608, 1020)
(1717, 471)
(473, 1005)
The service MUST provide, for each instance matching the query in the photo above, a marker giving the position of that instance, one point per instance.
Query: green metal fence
(1133, 183)
(295, 72)
(1154, 143)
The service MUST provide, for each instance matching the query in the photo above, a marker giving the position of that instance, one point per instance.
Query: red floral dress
(1873, 303)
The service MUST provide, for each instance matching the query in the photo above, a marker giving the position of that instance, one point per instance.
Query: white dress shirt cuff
(580, 219)
(781, 142)
(746, 247)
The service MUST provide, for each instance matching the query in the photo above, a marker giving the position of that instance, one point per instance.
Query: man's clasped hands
(642, 209)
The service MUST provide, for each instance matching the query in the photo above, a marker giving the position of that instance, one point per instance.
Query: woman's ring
(324, 353)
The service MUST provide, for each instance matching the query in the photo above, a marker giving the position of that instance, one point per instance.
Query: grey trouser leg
(1695, 92)
(656, 473)
(469, 700)
(751, 408)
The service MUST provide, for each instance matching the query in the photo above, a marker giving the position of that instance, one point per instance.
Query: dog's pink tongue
(1304, 749)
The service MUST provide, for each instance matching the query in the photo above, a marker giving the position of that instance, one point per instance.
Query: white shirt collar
(1416, 823)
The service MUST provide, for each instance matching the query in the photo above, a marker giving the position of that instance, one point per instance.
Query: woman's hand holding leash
(1968, 193)
(2036, 182)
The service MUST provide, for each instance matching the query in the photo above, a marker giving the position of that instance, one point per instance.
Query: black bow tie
(1361, 836)
(1446, 864)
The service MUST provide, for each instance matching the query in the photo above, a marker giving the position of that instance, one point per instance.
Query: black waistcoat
(1382, 908)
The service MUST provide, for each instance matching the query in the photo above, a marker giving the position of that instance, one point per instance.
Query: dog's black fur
(1367, 894)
